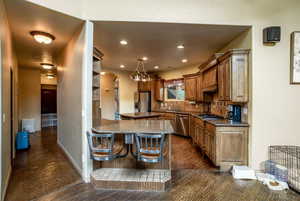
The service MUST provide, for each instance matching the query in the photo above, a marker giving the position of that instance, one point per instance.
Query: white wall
(127, 87)
(7, 62)
(30, 95)
(74, 98)
(69, 102)
(275, 109)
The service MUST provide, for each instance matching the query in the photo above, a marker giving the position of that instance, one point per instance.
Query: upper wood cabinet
(144, 86)
(159, 90)
(210, 81)
(233, 76)
(199, 86)
(190, 84)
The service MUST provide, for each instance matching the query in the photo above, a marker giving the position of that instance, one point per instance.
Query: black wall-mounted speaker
(272, 34)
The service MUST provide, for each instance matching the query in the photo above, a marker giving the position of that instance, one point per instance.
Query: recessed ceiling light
(122, 66)
(102, 73)
(156, 67)
(42, 37)
(184, 60)
(180, 46)
(47, 66)
(145, 58)
(123, 42)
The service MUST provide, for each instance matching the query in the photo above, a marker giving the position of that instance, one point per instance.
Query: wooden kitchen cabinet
(144, 86)
(190, 84)
(231, 146)
(210, 81)
(233, 76)
(159, 90)
(199, 86)
(224, 146)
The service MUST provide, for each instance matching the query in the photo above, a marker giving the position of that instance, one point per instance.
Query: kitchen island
(140, 115)
(127, 173)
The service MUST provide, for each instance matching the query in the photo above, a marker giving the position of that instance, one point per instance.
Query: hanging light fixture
(42, 37)
(140, 74)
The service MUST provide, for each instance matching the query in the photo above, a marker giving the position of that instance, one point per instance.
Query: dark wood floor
(41, 169)
(44, 174)
(187, 156)
(187, 185)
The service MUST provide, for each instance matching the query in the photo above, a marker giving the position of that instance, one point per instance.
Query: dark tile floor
(41, 169)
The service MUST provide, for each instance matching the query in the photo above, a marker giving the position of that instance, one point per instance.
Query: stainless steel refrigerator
(142, 101)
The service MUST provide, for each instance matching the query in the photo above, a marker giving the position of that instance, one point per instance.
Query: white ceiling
(158, 41)
(25, 17)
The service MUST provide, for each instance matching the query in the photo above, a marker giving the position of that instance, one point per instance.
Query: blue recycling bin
(22, 140)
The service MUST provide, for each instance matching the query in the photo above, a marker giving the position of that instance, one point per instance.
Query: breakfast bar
(129, 169)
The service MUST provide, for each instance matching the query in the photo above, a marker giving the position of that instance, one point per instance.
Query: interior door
(48, 101)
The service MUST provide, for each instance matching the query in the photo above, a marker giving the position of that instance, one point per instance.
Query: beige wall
(7, 62)
(177, 73)
(127, 87)
(108, 106)
(275, 102)
(69, 98)
(30, 95)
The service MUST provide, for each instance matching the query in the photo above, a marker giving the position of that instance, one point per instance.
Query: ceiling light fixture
(140, 73)
(156, 67)
(50, 76)
(42, 37)
(145, 58)
(180, 46)
(47, 66)
(122, 66)
(123, 42)
(184, 60)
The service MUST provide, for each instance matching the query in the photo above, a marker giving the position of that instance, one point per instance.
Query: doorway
(48, 106)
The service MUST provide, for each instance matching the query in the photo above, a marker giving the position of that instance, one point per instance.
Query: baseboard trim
(6, 183)
(78, 169)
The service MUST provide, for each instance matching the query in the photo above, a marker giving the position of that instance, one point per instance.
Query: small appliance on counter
(235, 113)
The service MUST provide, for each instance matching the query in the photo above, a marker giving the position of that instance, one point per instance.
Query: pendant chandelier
(140, 74)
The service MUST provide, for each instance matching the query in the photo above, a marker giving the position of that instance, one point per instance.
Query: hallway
(40, 170)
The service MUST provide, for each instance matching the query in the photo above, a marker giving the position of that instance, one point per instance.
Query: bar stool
(103, 147)
(149, 147)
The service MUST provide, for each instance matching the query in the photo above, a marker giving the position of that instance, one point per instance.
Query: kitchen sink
(209, 117)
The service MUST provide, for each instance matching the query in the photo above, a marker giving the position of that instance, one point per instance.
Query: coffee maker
(235, 113)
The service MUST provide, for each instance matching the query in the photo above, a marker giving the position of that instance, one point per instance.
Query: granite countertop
(137, 126)
(223, 122)
(140, 115)
(173, 111)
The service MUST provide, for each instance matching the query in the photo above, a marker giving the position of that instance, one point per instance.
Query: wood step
(132, 179)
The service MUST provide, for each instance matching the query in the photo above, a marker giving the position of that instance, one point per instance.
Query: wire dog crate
(284, 163)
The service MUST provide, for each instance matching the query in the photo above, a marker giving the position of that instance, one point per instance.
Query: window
(174, 90)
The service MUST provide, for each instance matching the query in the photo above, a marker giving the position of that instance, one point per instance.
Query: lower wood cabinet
(225, 146)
